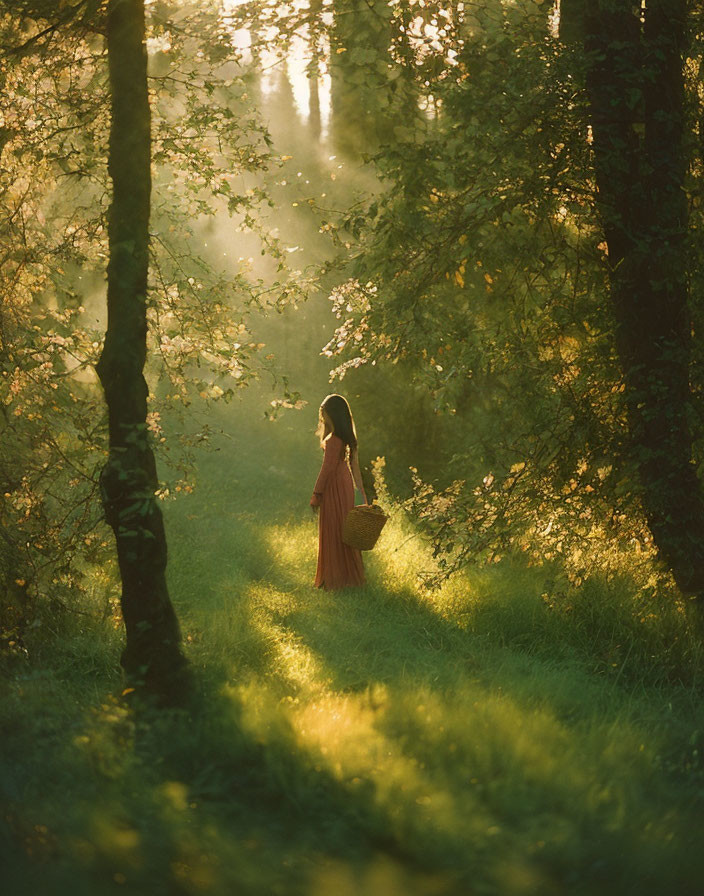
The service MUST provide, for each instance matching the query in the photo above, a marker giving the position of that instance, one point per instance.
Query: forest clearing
(467, 218)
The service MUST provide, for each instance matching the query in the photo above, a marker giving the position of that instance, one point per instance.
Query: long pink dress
(339, 566)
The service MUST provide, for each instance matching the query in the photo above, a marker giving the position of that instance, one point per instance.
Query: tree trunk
(152, 658)
(313, 70)
(636, 91)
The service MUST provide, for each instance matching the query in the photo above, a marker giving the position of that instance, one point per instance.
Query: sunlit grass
(452, 739)
(385, 740)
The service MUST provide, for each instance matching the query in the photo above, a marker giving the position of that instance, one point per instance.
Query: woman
(339, 566)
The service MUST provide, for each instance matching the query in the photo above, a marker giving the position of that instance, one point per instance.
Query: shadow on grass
(385, 741)
(385, 726)
(129, 799)
(357, 742)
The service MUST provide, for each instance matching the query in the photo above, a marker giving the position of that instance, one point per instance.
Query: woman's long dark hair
(337, 409)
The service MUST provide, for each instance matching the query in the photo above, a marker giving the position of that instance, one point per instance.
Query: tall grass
(494, 737)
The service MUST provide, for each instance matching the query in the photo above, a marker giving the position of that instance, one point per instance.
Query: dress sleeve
(330, 460)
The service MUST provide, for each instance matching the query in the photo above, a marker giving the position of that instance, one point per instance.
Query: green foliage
(51, 423)
(54, 182)
(479, 270)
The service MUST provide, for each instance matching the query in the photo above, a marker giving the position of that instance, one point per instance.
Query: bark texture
(635, 61)
(152, 657)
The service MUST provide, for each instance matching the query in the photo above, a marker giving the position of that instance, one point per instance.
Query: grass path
(380, 742)
(479, 748)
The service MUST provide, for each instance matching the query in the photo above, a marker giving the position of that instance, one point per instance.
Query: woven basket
(363, 526)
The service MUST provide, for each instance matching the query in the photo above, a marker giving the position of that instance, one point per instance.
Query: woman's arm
(357, 473)
(330, 459)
